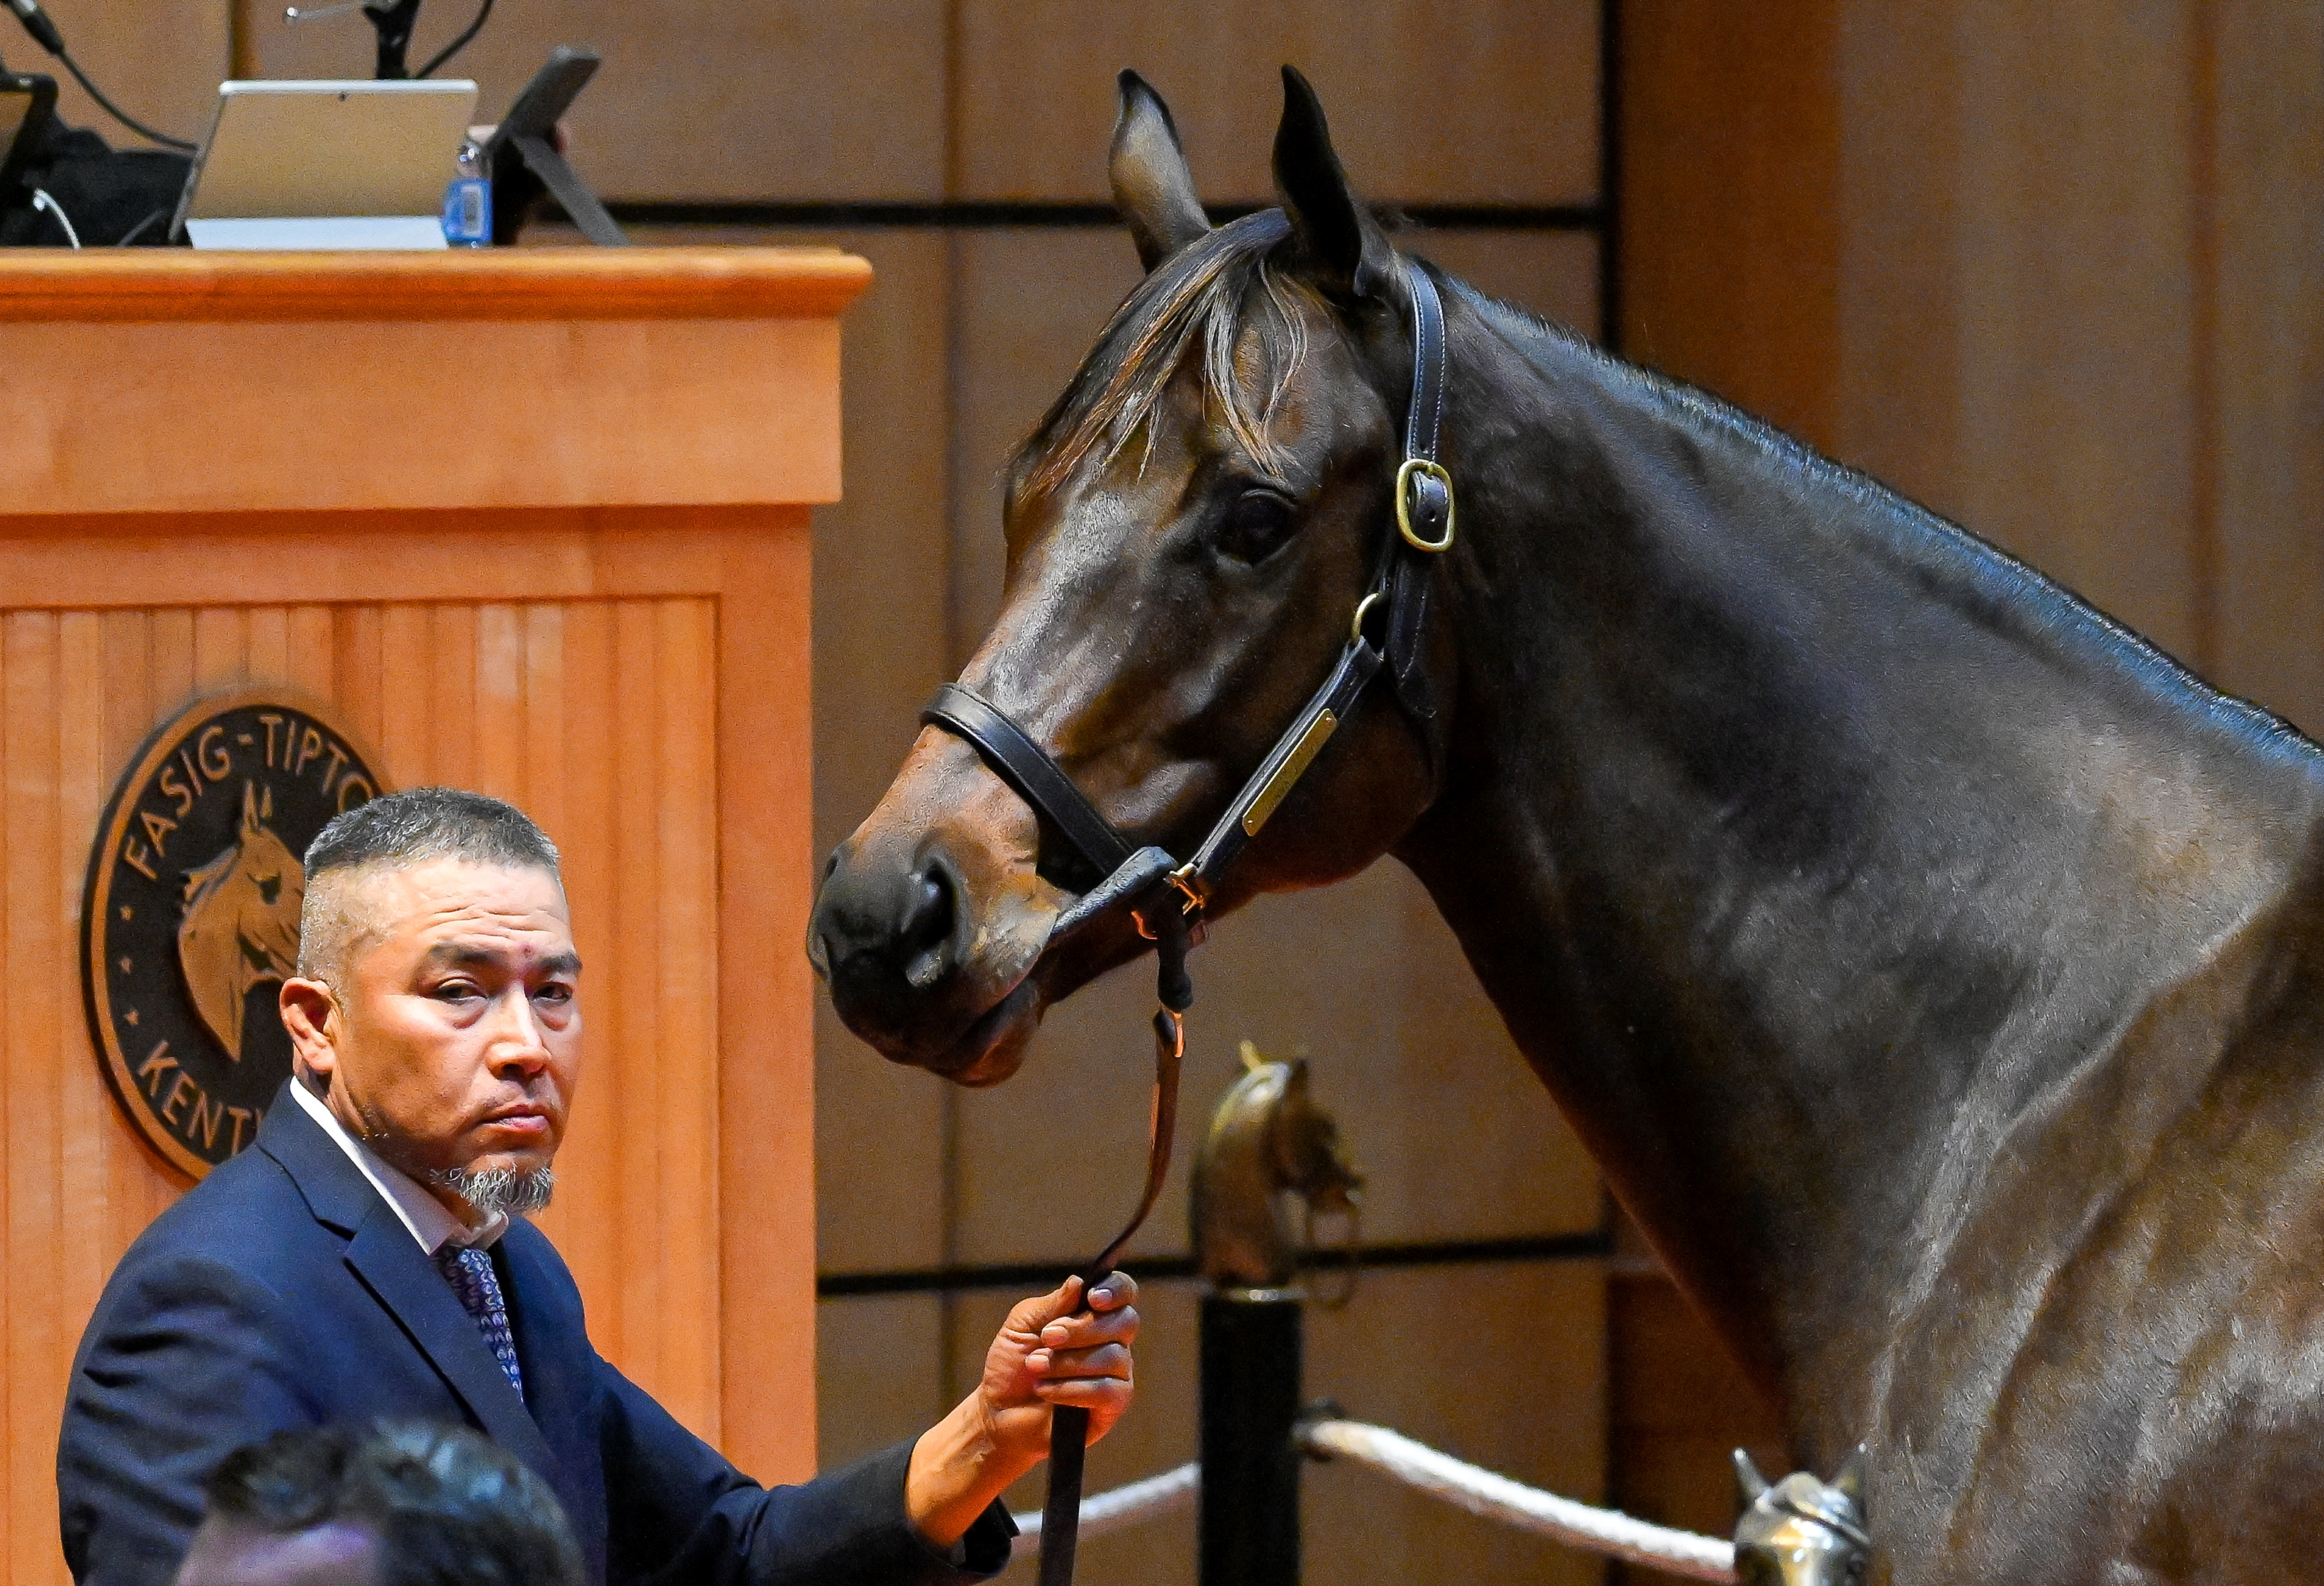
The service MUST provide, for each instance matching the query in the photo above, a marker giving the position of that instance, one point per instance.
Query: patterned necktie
(470, 1273)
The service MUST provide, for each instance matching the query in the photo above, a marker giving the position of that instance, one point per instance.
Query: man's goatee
(494, 1190)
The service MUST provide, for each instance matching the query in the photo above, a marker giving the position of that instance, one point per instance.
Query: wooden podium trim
(148, 285)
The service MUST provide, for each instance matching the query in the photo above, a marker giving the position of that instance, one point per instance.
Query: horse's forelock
(1195, 299)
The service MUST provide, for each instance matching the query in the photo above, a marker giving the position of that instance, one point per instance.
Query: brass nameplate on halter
(1287, 773)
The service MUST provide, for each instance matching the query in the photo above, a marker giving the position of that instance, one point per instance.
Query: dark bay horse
(1931, 966)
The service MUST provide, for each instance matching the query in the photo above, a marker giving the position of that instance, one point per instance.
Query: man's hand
(1044, 1355)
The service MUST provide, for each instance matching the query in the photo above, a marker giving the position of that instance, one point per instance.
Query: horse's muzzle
(887, 938)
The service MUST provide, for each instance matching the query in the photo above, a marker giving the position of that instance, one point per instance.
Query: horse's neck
(1801, 840)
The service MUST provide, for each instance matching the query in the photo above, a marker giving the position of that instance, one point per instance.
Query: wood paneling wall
(2053, 271)
(596, 716)
(2056, 271)
(867, 100)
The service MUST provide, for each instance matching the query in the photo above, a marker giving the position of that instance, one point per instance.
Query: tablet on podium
(331, 165)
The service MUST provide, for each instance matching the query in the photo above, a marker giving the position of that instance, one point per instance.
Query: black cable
(115, 111)
(43, 29)
(483, 10)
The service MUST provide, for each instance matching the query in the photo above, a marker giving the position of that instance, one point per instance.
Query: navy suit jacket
(284, 1291)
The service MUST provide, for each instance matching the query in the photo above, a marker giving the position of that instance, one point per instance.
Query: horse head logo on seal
(1800, 1531)
(241, 923)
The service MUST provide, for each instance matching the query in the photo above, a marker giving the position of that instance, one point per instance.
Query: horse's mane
(1194, 297)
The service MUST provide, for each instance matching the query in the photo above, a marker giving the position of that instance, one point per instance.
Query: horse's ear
(249, 808)
(1851, 1479)
(1338, 234)
(1152, 186)
(1298, 1079)
(1749, 1483)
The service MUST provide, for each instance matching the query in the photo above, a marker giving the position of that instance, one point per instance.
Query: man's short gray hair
(397, 831)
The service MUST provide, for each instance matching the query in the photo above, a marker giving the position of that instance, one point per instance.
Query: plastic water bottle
(468, 201)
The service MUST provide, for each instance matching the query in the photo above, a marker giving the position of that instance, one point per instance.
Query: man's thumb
(1035, 1313)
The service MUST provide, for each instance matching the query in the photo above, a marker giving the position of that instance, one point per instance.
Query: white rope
(1497, 1498)
(1125, 1505)
(1480, 1492)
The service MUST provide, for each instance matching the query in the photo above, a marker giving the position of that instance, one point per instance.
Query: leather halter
(1425, 525)
(1166, 897)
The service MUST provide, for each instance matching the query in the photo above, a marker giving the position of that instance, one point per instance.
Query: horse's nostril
(925, 932)
(929, 914)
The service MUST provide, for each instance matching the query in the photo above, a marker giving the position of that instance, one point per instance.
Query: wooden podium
(531, 523)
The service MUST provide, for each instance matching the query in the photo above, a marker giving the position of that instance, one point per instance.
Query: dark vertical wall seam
(241, 45)
(1609, 175)
(949, 1319)
(2204, 553)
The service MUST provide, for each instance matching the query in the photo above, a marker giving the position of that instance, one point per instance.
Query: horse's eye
(1256, 525)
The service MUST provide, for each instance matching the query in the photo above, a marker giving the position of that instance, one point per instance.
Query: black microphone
(37, 24)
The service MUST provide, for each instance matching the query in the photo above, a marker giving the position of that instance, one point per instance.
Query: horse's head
(1189, 532)
(1800, 1531)
(241, 923)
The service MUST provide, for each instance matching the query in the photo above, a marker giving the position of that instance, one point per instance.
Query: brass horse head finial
(1800, 1531)
(1268, 1143)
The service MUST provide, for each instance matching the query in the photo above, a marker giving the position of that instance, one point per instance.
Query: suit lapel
(335, 1189)
(393, 1266)
(383, 1254)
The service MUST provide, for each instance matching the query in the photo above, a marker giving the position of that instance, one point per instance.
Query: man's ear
(1344, 244)
(309, 1008)
(1152, 186)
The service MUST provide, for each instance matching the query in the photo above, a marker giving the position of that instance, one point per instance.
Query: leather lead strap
(1060, 1510)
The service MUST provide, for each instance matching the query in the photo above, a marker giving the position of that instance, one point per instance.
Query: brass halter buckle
(1435, 470)
(1190, 888)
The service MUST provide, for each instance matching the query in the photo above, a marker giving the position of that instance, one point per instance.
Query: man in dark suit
(369, 1258)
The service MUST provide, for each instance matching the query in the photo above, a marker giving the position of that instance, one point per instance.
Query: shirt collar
(431, 1223)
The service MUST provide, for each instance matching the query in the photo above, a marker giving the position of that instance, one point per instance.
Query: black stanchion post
(1249, 1522)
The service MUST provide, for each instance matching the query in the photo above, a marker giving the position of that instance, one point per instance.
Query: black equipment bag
(109, 194)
